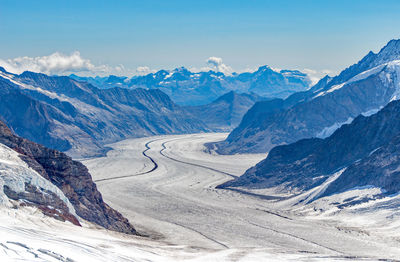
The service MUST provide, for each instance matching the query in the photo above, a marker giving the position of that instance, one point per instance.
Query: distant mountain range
(226, 112)
(365, 153)
(189, 88)
(363, 88)
(78, 118)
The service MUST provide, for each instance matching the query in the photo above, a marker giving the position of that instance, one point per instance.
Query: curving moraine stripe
(144, 153)
(188, 163)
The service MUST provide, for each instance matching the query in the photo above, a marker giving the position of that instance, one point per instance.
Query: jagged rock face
(78, 118)
(379, 169)
(71, 177)
(20, 185)
(188, 88)
(368, 148)
(362, 88)
(225, 113)
(48, 202)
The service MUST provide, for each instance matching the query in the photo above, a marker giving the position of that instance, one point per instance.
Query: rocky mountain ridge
(364, 153)
(78, 118)
(190, 88)
(363, 88)
(226, 112)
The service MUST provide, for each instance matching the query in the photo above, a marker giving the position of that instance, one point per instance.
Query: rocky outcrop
(368, 149)
(48, 202)
(70, 176)
(379, 169)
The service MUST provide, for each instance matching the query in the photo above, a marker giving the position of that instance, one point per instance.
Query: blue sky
(319, 35)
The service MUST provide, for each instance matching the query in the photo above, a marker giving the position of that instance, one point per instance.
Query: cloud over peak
(56, 63)
(63, 64)
(217, 65)
(144, 70)
(316, 75)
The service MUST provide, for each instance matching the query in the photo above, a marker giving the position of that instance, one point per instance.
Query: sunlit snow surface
(389, 70)
(26, 235)
(187, 219)
(178, 204)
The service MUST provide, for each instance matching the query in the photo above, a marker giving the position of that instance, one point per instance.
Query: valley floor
(165, 186)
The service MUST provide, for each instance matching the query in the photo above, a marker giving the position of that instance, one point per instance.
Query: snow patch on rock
(15, 173)
(327, 131)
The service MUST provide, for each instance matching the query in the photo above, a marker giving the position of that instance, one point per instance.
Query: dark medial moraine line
(192, 164)
(137, 174)
(147, 145)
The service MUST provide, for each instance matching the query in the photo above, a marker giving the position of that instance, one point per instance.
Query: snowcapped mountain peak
(388, 53)
(264, 68)
(369, 65)
(181, 69)
(195, 88)
(161, 73)
(292, 73)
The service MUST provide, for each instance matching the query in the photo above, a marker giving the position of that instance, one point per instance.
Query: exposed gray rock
(364, 87)
(79, 118)
(70, 176)
(369, 149)
(47, 201)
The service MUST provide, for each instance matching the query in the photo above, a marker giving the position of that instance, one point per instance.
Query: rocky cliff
(69, 176)
(367, 151)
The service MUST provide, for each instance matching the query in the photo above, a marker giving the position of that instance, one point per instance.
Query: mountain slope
(189, 88)
(366, 152)
(363, 88)
(225, 112)
(79, 118)
(51, 181)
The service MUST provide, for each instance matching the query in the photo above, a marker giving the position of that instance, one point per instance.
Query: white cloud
(144, 70)
(316, 75)
(62, 64)
(59, 64)
(217, 65)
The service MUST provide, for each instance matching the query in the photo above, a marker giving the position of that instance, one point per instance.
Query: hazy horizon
(133, 37)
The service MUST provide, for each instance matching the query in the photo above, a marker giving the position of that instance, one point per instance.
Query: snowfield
(165, 185)
(177, 203)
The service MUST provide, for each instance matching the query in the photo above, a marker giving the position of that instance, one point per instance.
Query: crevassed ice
(15, 173)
